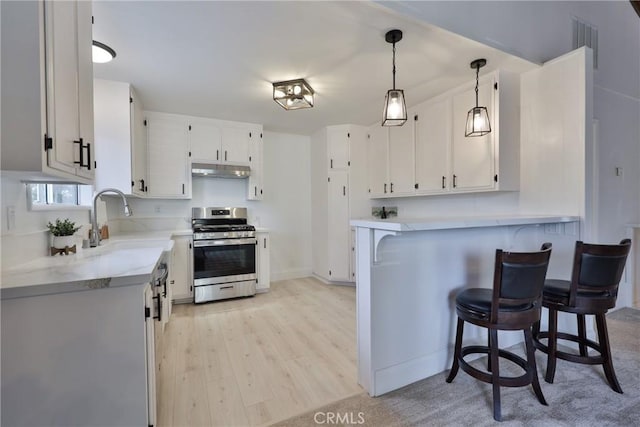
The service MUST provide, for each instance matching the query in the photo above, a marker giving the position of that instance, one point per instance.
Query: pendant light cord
(477, 74)
(394, 67)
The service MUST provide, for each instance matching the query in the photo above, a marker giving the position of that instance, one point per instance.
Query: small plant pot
(61, 242)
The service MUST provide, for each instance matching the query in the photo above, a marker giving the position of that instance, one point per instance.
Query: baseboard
(331, 282)
(290, 274)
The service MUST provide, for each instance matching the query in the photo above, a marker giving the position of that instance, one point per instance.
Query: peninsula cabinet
(338, 193)
(121, 139)
(47, 89)
(169, 169)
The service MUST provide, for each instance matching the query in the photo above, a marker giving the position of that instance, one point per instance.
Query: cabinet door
(63, 47)
(138, 146)
(150, 353)
(377, 160)
(235, 145)
(255, 182)
(473, 157)
(262, 262)
(182, 274)
(204, 139)
(338, 148)
(85, 88)
(401, 160)
(168, 161)
(433, 136)
(339, 233)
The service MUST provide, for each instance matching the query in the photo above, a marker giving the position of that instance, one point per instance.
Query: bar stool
(513, 304)
(592, 290)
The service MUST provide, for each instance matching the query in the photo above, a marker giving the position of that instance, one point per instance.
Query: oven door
(223, 261)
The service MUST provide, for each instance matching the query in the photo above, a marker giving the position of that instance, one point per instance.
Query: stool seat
(562, 288)
(512, 304)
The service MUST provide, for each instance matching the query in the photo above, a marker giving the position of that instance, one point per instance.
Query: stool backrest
(519, 277)
(597, 269)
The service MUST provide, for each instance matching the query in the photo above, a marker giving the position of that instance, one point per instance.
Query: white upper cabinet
(168, 162)
(378, 155)
(121, 141)
(338, 147)
(433, 133)
(472, 157)
(47, 89)
(255, 190)
(401, 159)
(216, 141)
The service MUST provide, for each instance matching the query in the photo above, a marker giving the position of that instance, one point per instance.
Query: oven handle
(224, 242)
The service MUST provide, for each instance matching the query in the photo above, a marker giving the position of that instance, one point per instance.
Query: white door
(377, 149)
(235, 145)
(401, 159)
(138, 146)
(205, 141)
(255, 181)
(339, 233)
(433, 136)
(168, 161)
(473, 157)
(338, 148)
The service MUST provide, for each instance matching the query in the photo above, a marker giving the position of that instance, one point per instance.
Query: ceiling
(218, 59)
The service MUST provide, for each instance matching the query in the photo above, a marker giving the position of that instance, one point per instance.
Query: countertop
(451, 222)
(122, 260)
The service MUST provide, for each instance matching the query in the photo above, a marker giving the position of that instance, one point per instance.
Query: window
(49, 196)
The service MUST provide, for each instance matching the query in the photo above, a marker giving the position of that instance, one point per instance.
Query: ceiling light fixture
(293, 94)
(395, 109)
(478, 118)
(102, 53)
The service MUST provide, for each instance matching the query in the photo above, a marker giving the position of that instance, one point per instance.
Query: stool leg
(488, 346)
(603, 339)
(552, 344)
(457, 351)
(495, 374)
(582, 334)
(531, 360)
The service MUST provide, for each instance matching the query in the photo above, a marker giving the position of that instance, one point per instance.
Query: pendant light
(395, 109)
(102, 53)
(478, 118)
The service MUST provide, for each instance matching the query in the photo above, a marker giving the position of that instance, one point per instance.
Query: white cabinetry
(47, 89)
(255, 189)
(262, 261)
(378, 155)
(401, 160)
(181, 273)
(168, 162)
(120, 138)
(433, 133)
(216, 141)
(338, 193)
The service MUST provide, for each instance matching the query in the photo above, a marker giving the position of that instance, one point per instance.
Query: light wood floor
(259, 360)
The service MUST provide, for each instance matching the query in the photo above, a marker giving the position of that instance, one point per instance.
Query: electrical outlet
(618, 171)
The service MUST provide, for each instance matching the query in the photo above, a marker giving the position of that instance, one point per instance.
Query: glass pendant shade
(477, 122)
(395, 109)
(293, 94)
(101, 53)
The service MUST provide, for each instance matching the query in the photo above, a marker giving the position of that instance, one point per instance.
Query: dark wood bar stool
(514, 303)
(592, 290)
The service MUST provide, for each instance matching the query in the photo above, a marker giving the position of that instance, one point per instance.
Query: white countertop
(122, 260)
(450, 222)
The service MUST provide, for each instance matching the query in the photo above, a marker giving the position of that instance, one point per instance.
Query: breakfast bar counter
(408, 271)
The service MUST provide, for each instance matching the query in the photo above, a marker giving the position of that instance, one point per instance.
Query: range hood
(220, 171)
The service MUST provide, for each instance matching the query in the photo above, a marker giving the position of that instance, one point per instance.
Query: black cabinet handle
(392, 187)
(182, 188)
(331, 163)
(255, 191)
(385, 188)
(159, 316)
(88, 146)
(265, 242)
(81, 154)
(142, 187)
(225, 155)
(217, 154)
(444, 181)
(344, 190)
(455, 181)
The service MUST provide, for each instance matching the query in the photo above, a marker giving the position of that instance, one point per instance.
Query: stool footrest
(571, 357)
(486, 376)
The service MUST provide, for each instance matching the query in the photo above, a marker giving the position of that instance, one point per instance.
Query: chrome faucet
(94, 239)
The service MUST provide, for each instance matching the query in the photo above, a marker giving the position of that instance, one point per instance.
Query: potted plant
(63, 232)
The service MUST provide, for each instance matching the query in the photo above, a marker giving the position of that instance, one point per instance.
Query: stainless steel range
(224, 254)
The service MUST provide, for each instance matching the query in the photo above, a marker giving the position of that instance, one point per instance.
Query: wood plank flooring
(255, 361)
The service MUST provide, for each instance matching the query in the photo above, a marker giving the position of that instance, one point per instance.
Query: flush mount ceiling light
(102, 53)
(293, 94)
(395, 109)
(478, 118)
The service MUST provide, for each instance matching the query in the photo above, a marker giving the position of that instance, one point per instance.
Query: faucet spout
(94, 239)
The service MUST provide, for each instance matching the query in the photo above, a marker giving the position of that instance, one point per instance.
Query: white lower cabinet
(181, 272)
(263, 268)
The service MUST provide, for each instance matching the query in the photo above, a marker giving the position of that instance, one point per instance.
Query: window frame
(84, 196)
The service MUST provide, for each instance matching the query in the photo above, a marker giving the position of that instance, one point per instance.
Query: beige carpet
(579, 396)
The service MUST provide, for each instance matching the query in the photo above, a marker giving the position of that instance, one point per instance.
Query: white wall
(30, 237)
(285, 210)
